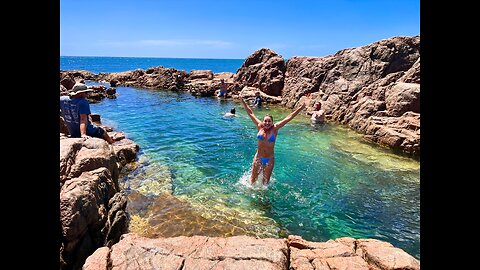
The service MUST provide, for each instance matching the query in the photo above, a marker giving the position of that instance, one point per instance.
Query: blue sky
(229, 29)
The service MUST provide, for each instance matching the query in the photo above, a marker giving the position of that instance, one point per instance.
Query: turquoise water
(118, 64)
(193, 171)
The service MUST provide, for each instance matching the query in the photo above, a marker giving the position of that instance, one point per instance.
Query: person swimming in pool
(267, 135)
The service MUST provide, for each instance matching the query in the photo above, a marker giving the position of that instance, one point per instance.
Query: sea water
(191, 177)
(119, 64)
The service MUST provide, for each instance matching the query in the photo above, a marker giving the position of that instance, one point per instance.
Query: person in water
(258, 100)
(267, 134)
(223, 89)
(231, 113)
(318, 115)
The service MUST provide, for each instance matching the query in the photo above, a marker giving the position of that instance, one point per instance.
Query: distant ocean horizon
(97, 64)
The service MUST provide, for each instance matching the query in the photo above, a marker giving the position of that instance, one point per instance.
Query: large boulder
(92, 208)
(264, 69)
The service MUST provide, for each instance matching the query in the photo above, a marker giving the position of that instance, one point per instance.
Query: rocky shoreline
(373, 89)
(244, 252)
(92, 205)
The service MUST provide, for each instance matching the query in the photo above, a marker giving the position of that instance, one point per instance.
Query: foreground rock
(348, 253)
(92, 208)
(244, 252)
(196, 252)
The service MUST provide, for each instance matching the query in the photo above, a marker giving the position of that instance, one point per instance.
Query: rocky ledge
(244, 252)
(92, 206)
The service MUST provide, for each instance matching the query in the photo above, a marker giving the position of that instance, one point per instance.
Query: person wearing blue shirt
(75, 110)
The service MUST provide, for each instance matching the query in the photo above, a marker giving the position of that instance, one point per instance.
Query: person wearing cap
(318, 115)
(75, 110)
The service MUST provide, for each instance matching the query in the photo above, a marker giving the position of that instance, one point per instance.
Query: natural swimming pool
(193, 170)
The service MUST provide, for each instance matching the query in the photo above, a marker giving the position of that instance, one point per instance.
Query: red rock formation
(264, 69)
(244, 252)
(92, 211)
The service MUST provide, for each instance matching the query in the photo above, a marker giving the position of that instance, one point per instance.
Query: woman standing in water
(267, 133)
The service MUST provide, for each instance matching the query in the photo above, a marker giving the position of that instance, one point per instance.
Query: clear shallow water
(118, 64)
(194, 165)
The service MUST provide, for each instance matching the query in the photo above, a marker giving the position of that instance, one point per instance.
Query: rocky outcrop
(78, 155)
(92, 208)
(264, 69)
(85, 207)
(70, 77)
(83, 74)
(197, 82)
(374, 89)
(244, 252)
(348, 253)
(208, 86)
(152, 78)
(67, 81)
(248, 93)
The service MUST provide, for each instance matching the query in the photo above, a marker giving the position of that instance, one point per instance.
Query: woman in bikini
(267, 133)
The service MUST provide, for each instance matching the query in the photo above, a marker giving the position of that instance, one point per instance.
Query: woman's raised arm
(290, 116)
(250, 113)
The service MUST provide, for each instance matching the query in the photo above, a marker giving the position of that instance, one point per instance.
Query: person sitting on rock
(75, 110)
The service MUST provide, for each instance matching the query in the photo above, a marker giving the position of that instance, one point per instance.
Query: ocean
(119, 64)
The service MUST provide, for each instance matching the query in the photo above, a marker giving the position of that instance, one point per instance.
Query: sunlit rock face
(92, 209)
(374, 89)
(244, 252)
(265, 70)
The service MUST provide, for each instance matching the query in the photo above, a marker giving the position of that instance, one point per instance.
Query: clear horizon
(152, 57)
(229, 29)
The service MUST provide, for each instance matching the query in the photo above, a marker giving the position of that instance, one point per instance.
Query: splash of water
(244, 181)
